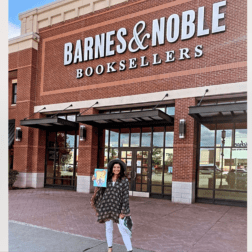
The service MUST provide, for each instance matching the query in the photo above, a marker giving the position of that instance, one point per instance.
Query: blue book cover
(100, 177)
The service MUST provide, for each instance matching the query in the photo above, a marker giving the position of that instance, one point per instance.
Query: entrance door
(138, 162)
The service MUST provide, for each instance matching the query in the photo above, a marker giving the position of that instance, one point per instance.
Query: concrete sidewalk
(159, 225)
(26, 237)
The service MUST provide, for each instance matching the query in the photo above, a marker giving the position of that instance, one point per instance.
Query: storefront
(163, 86)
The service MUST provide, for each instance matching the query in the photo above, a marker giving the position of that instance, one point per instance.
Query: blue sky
(16, 7)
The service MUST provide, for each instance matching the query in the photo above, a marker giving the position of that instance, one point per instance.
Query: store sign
(164, 30)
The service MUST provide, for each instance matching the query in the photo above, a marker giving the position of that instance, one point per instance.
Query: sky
(16, 7)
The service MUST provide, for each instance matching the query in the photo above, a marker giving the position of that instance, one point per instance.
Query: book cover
(100, 178)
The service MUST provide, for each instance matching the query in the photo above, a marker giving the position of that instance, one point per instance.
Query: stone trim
(34, 180)
(60, 11)
(183, 192)
(147, 99)
(23, 42)
(84, 184)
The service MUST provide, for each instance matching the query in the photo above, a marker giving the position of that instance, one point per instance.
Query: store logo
(163, 31)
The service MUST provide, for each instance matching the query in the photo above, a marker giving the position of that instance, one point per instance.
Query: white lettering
(78, 52)
(217, 16)
(109, 43)
(99, 45)
(110, 67)
(188, 26)
(121, 32)
(155, 58)
(79, 73)
(201, 19)
(170, 56)
(198, 51)
(88, 48)
(68, 57)
(143, 64)
(132, 63)
(158, 31)
(184, 53)
(101, 69)
(122, 66)
(172, 31)
(89, 71)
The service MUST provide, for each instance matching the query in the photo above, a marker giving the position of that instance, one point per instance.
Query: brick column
(26, 151)
(88, 154)
(184, 155)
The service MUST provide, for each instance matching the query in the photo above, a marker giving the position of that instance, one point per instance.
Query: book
(100, 177)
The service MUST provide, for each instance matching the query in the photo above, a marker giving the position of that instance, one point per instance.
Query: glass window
(135, 137)
(51, 139)
(169, 136)
(170, 111)
(114, 137)
(70, 137)
(71, 118)
(240, 138)
(14, 93)
(106, 138)
(61, 139)
(206, 157)
(124, 138)
(206, 137)
(157, 166)
(158, 137)
(168, 169)
(146, 137)
(228, 136)
(62, 116)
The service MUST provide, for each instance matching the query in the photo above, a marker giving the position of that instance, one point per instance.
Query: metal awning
(127, 119)
(220, 113)
(11, 132)
(50, 124)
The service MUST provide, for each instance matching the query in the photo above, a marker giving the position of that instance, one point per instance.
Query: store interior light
(223, 134)
(182, 128)
(18, 134)
(83, 133)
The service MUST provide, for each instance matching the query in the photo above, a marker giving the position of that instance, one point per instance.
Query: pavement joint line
(31, 225)
(211, 226)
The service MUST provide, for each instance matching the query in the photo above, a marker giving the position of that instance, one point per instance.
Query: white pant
(125, 235)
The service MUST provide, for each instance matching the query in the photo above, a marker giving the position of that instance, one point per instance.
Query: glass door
(138, 161)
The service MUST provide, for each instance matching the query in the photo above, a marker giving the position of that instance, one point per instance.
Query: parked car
(237, 179)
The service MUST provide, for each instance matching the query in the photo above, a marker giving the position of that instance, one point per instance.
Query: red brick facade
(43, 79)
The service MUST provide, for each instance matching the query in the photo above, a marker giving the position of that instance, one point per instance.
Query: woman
(112, 203)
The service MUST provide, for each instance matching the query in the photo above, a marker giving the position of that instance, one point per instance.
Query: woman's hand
(93, 178)
(121, 216)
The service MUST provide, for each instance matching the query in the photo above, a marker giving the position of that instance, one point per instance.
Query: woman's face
(116, 169)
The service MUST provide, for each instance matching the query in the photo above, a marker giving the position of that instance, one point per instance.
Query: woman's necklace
(114, 178)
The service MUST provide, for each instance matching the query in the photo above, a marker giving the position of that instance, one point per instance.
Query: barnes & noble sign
(164, 30)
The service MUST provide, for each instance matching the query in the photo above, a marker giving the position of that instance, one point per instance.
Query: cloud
(13, 30)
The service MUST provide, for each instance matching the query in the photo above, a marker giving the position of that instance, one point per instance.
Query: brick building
(160, 84)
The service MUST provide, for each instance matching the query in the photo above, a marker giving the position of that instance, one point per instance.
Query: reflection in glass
(240, 138)
(61, 139)
(169, 139)
(106, 138)
(156, 189)
(205, 177)
(157, 166)
(158, 137)
(205, 193)
(114, 137)
(113, 153)
(123, 154)
(228, 138)
(229, 195)
(124, 138)
(105, 157)
(206, 157)
(144, 188)
(170, 110)
(206, 137)
(138, 187)
(135, 137)
(167, 190)
(70, 136)
(146, 137)
(168, 169)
